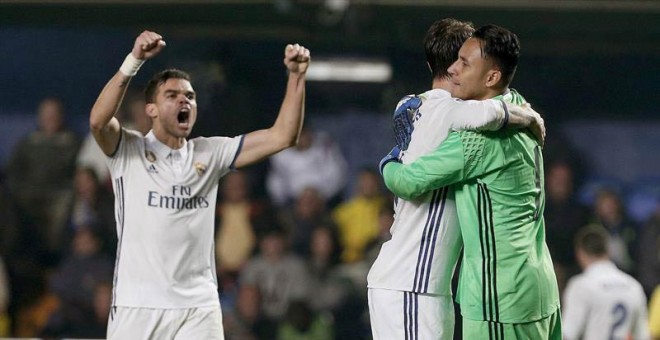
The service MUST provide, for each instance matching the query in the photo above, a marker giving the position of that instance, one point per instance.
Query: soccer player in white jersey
(165, 285)
(602, 302)
(410, 282)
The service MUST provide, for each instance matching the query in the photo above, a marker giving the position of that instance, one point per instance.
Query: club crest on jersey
(152, 169)
(200, 168)
(151, 157)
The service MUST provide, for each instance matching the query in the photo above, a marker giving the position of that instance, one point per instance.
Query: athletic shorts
(545, 329)
(152, 323)
(403, 315)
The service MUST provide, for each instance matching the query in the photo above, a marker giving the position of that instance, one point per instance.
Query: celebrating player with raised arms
(165, 186)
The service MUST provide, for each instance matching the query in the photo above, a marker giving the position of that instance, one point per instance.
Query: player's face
(470, 72)
(175, 108)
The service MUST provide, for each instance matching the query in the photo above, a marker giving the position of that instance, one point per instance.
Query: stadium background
(589, 66)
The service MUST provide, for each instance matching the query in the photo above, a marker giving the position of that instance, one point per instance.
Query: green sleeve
(444, 166)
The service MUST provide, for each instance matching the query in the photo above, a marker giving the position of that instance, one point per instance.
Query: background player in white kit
(410, 282)
(165, 187)
(603, 302)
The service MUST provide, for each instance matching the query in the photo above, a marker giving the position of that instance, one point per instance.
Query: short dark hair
(160, 78)
(592, 240)
(502, 47)
(443, 40)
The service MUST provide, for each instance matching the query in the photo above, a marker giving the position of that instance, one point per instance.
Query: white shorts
(153, 323)
(402, 315)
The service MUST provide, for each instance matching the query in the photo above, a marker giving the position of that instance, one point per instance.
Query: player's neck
(443, 84)
(172, 142)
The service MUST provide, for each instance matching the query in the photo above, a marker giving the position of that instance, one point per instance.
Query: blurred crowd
(293, 243)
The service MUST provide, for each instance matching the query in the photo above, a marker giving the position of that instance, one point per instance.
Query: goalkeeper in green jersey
(507, 287)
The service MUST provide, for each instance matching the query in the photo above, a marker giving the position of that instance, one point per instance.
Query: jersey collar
(163, 150)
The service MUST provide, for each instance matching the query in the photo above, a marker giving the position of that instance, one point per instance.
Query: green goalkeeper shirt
(507, 274)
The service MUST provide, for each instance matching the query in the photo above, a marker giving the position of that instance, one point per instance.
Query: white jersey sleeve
(486, 115)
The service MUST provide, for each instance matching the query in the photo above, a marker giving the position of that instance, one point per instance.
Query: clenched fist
(296, 58)
(147, 45)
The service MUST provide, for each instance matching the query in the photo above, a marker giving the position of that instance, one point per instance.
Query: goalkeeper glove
(393, 156)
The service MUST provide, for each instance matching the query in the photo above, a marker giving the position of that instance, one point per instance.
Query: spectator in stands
(357, 218)
(648, 254)
(327, 286)
(235, 239)
(75, 282)
(564, 215)
(40, 174)
(132, 115)
(93, 205)
(245, 321)
(239, 218)
(316, 162)
(609, 212)
(308, 212)
(279, 276)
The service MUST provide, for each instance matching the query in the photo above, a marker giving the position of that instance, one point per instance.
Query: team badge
(200, 168)
(151, 157)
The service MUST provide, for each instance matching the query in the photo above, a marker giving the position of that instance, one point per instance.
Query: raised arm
(102, 122)
(284, 133)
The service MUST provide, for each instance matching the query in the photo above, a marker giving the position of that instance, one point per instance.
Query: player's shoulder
(132, 135)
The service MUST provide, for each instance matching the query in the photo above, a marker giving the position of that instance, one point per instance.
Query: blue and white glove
(403, 118)
(393, 156)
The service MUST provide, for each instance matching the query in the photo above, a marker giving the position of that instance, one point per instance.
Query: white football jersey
(165, 208)
(426, 242)
(604, 303)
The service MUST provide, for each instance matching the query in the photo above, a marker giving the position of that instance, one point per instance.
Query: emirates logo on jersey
(151, 157)
(200, 168)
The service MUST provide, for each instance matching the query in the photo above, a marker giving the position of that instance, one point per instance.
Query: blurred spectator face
(608, 206)
(322, 244)
(137, 114)
(85, 183)
(367, 184)
(50, 116)
(85, 242)
(272, 246)
(234, 187)
(309, 203)
(559, 182)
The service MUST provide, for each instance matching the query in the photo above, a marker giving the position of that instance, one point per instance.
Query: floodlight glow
(349, 70)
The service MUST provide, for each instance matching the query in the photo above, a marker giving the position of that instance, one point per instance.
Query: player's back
(604, 303)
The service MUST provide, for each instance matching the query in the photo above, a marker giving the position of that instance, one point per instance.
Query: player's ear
(152, 110)
(493, 78)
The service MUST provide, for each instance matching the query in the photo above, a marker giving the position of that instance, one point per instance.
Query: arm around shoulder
(440, 168)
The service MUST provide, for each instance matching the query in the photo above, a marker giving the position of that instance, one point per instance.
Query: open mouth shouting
(183, 117)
